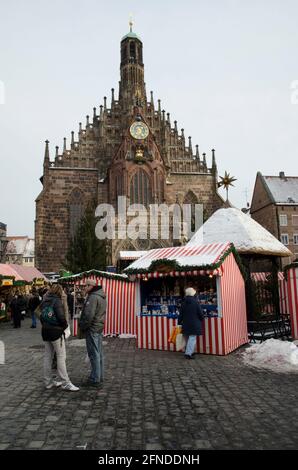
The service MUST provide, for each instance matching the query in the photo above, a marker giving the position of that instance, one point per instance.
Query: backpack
(48, 315)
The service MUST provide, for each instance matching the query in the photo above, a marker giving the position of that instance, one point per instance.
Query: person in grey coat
(91, 326)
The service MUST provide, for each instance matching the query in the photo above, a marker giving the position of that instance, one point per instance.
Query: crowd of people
(55, 307)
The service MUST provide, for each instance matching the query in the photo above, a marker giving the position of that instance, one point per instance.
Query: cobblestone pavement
(151, 400)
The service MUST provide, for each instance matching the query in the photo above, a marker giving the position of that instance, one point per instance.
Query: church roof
(247, 235)
(131, 35)
(283, 189)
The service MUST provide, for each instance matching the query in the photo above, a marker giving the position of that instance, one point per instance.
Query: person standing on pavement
(53, 325)
(190, 318)
(33, 303)
(91, 326)
(17, 306)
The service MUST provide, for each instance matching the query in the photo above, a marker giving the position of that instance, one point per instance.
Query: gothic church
(129, 148)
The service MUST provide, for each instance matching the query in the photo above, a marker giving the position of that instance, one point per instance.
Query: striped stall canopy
(192, 259)
(262, 277)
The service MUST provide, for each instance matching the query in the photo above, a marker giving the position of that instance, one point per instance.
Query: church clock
(139, 130)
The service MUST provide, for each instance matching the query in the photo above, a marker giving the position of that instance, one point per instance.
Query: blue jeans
(95, 353)
(190, 344)
(33, 317)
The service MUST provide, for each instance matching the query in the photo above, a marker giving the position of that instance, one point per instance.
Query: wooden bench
(260, 330)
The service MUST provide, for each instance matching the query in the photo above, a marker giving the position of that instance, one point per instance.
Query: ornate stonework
(150, 163)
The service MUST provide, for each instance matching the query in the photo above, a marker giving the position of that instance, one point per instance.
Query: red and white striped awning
(186, 257)
(262, 277)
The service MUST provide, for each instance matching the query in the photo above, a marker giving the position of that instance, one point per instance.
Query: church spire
(47, 152)
(132, 88)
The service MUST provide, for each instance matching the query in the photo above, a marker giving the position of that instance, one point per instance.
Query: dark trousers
(17, 317)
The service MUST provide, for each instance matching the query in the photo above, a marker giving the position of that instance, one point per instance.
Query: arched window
(76, 210)
(140, 188)
(191, 198)
(160, 188)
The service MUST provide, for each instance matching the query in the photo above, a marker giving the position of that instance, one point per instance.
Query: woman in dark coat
(190, 318)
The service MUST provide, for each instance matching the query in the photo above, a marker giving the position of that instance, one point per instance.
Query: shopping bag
(180, 342)
(176, 330)
(67, 332)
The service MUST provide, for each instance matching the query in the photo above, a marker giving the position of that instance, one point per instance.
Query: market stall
(291, 275)
(215, 271)
(120, 293)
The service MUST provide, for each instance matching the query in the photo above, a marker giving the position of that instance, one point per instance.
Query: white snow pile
(126, 336)
(272, 354)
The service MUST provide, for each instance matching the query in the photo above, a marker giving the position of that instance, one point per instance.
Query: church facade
(129, 148)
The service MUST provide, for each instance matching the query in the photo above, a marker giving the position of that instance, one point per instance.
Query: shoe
(54, 384)
(187, 356)
(70, 387)
(90, 383)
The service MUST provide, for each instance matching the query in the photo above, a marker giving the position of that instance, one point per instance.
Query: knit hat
(190, 291)
(91, 282)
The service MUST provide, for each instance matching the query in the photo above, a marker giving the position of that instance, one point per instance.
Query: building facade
(3, 241)
(275, 206)
(130, 148)
(20, 250)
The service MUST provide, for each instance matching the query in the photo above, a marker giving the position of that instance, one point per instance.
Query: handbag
(180, 342)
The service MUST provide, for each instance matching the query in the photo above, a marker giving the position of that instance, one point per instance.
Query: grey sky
(222, 68)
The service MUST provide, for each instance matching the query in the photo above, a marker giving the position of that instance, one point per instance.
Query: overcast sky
(222, 68)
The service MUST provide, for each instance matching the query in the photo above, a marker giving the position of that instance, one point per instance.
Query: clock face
(139, 130)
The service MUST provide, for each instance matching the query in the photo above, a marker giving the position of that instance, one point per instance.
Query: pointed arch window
(140, 188)
(76, 210)
(191, 198)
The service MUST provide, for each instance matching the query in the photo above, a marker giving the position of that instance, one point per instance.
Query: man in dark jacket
(190, 318)
(33, 303)
(17, 306)
(91, 325)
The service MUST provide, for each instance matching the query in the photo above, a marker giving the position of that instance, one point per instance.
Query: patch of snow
(125, 336)
(272, 354)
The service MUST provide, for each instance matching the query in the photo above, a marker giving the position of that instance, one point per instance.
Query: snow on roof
(195, 256)
(247, 235)
(284, 190)
(131, 254)
(20, 246)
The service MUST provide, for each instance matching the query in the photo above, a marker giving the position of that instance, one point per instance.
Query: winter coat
(94, 310)
(191, 316)
(33, 303)
(53, 332)
(18, 305)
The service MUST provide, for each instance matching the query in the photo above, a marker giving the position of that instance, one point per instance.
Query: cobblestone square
(150, 400)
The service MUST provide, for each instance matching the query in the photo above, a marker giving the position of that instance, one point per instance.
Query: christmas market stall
(215, 271)
(120, 293)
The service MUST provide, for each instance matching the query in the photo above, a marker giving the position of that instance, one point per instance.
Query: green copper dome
(131, 35)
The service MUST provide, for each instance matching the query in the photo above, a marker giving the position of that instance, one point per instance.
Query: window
(284, 238)
(295, 220)
(283, 220)
(140, 188)
(76, 211)
(295, 238)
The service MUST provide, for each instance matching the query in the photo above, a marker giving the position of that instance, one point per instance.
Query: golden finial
(130, 23)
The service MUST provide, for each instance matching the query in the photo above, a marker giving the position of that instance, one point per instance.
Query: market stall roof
(131, 255)
(7, 270)
(25, 273)
(206, 258)
(247, 235)
(91, 273)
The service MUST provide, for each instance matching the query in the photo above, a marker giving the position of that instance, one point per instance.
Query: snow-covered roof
(186, 257)
(284, 190)
(247, 235)
(20, 246)
(131, 255)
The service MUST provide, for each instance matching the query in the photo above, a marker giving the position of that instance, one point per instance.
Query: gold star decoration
(226, 182)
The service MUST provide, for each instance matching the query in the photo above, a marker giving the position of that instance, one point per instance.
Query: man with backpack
(54, 324)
